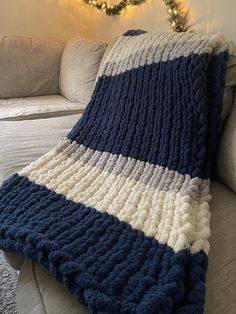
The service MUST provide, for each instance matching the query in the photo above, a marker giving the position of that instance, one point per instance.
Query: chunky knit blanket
(118, 210)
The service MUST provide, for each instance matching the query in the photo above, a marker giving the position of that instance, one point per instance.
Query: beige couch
(45, 84)
(37, 68)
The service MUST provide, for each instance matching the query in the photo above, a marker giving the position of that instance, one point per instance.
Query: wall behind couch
(66, 18)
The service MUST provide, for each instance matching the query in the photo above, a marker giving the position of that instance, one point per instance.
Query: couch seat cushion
(38, 107)
(45, 293)
(22, 142)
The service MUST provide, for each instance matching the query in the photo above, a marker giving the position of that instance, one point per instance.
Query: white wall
(214, 16)
(65, 18)
(37, 18)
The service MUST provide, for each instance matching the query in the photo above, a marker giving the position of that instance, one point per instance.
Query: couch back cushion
(79, 67)
(29, 66)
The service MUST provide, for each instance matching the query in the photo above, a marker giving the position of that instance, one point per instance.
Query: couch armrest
(226, 159)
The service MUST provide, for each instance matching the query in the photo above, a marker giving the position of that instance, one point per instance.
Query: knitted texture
(118, 210)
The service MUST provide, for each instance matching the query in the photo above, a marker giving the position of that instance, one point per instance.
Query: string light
(115, 9)
(179, 20)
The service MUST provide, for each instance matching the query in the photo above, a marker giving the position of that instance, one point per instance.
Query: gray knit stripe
(154, 176)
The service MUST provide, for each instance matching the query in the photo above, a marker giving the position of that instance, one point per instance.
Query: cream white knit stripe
(169, 216)
(142, 50)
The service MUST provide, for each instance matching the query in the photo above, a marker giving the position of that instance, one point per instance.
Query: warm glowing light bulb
(174, 9)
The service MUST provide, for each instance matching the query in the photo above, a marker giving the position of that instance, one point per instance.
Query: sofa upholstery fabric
(21, 142)
(221, 276)
(79, 67)
(230, 84)
(38, 107)
(226, 157)
(29, 66)
(46, 295)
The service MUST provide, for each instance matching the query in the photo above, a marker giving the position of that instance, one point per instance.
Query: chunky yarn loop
(118, 210)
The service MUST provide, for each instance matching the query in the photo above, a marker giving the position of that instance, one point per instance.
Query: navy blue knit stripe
(166, 125)
(104, 262)
(134, 32)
